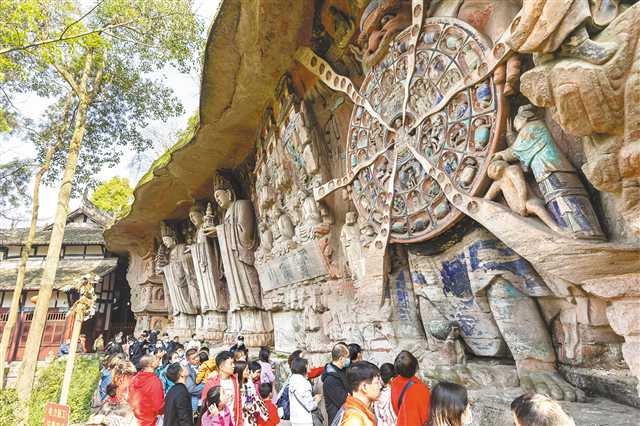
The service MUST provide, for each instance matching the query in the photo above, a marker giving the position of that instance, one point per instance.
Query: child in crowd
(255, 371)
(266, 393)
(215, 411)
(382, 407)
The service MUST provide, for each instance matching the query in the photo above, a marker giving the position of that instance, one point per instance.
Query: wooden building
(83, 251)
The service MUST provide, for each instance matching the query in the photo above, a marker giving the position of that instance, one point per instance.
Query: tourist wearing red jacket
(410, 397)
(146, 394)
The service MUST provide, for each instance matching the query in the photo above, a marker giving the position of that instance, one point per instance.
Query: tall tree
(113, 196)
(55, 137)
(117, 90)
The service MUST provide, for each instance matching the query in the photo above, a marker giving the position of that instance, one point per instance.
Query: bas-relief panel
(466, 135)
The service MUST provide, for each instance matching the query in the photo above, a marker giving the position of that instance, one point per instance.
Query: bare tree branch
(81, 18)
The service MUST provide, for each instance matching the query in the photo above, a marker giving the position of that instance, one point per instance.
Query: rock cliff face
(453, 178)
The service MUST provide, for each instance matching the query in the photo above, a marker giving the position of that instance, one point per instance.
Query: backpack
(283, 402)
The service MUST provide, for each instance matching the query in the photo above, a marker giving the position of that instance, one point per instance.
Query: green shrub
(8, 407)
(86, 374)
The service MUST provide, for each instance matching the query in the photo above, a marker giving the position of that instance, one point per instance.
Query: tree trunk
(22, 268)
(24, 257)
(27, 372)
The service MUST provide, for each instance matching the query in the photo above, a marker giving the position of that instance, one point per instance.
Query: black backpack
(283, 402)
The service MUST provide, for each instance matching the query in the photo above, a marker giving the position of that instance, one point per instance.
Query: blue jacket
(194, 390)
(105, 380)
(162, 374)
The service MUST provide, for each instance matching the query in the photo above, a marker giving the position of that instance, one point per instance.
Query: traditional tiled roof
(73, 234)
(68, 271)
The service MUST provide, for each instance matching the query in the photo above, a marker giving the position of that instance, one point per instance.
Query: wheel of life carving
(433, 92)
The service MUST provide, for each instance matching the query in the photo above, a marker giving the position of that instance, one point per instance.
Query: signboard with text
(56, 414)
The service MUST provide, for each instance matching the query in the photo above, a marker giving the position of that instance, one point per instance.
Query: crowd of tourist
(154, 380)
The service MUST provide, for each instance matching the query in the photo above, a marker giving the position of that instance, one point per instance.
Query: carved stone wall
(454, 178)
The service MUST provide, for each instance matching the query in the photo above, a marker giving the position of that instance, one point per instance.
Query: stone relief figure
(175, 277)
(286, 232)
(489, 291)
(189, 266)
(509, 180)
(311, 225)
(237, 238)
(209, 274)
(453, 349)
(546, 26)
(557, 179)
(263, 254)
(599, 104)
(352, 245)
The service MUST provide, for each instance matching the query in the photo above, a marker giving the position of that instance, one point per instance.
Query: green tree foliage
(115, 81)
(85, 378)
(113, 196)
(14, 178)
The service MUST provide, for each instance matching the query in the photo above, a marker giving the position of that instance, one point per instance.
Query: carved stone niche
(147, 291)
(290, 164)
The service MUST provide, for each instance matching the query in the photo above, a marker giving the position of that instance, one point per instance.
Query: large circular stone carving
(461, 123)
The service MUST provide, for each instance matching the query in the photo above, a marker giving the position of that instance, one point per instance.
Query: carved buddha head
(168, 235)
(223, 191)
(381, 21)
(195, 215)
(496, 169)
(526, 113)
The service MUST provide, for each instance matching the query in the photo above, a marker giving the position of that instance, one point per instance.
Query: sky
(185, 86)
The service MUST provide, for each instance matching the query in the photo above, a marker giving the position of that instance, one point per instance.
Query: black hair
(222, 357)
(173, 372)
(193, 336)
(354, 350)
(204, 349)
(112, 389)
(166, 358)
(212, 398)
(361, 372)
(299, 366)
(190, 352)
(448, 403)
(254, 366)
(339, 350)
(387, 372)
(406, 364)
(533, 409)
(179, 346)
(295, 354)
(265, 390)
(203, 356)
(264, 354)
(239, 371)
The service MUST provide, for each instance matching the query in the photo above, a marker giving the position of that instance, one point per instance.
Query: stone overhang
(251, 44)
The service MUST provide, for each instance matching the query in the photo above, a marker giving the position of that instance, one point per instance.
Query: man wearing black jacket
(334, 380)
(177, 402)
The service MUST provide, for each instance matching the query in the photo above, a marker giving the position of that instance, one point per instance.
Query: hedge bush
(47, 388)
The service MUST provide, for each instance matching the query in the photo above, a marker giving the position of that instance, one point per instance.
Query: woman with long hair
(252, 405)
(215, 410)
(449, 405)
